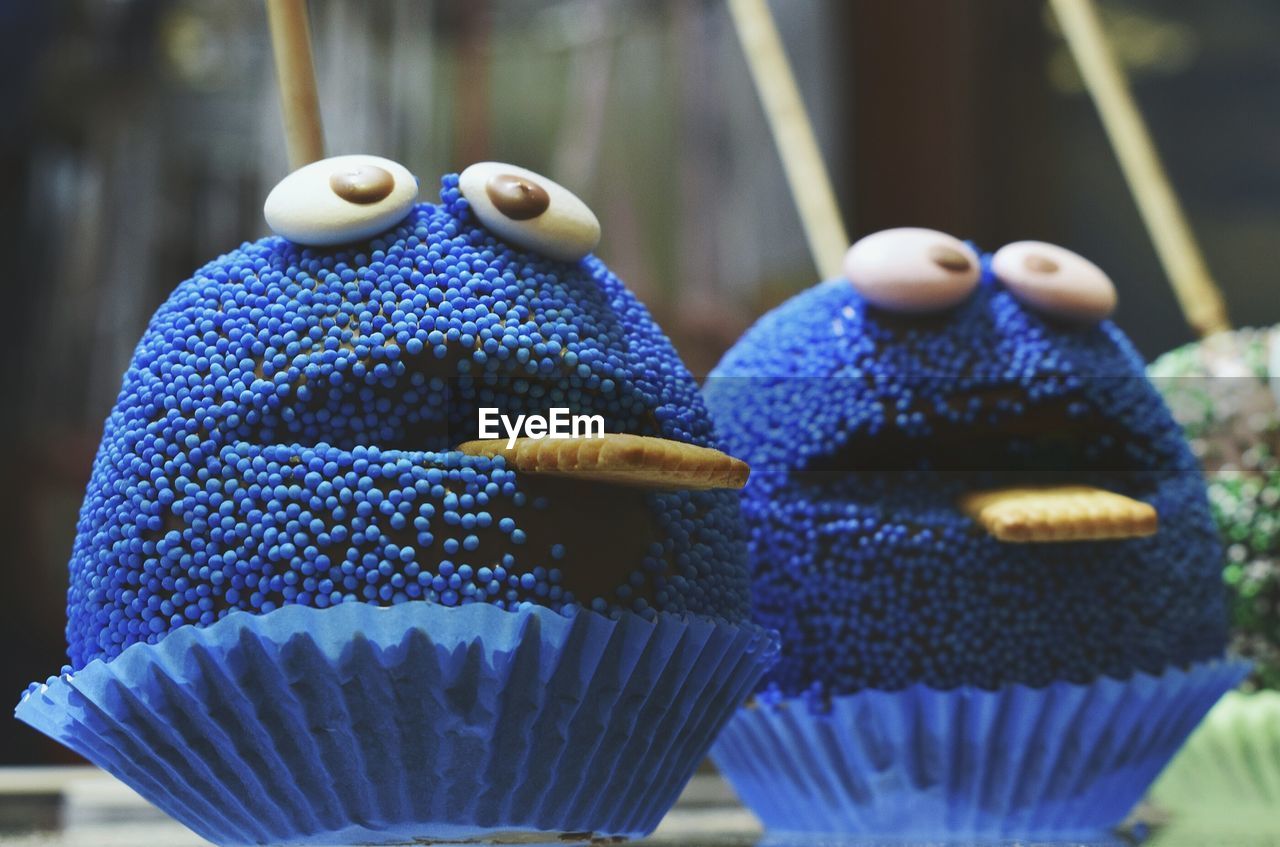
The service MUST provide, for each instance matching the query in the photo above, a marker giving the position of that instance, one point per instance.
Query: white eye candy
(912, 270)
(530, 211)
(1055, 281)
(340, 199)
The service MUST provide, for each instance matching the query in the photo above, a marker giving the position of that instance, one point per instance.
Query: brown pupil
(948, 258)
(516, 197)
(362, 184)
(1041, 264)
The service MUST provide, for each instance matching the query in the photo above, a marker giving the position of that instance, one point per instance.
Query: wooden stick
(807, 176)
(291, 44)
(1197, 293)
(471, 83)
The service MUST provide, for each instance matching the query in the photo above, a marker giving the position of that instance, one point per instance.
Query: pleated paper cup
(1229, 770)
(359, 724)
(1064, 761)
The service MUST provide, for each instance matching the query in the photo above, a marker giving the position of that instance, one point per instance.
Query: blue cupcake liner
(1064, 761)
(359, 724)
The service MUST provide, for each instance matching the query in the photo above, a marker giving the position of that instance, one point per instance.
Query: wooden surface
(84, 807)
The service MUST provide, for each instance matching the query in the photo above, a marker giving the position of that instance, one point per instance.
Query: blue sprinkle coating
(284, 435)
(863, 428)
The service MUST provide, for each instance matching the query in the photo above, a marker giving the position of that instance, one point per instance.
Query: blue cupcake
(983, 540)
(299, 613)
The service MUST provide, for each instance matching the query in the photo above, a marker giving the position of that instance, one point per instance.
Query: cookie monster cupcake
(984, 541)
(307, 606)
(1224, 392)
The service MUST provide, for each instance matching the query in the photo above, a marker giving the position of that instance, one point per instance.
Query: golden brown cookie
(1059, 513)
(619, 458)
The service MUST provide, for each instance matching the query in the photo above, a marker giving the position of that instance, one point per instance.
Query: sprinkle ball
(910, 633)
(283, 436)
(859, 555)
(309, 605)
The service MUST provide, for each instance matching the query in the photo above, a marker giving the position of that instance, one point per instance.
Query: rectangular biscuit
(621, 459)
(1059, 513)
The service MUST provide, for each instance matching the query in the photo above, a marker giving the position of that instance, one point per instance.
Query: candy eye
(530, 211)
(1055, 281)
(341, 199)
(912, 270)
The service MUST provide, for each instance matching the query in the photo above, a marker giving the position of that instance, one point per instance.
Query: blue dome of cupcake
(285, 430)
(866, 426)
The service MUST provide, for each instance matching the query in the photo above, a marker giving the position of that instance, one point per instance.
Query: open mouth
(583, 510)
(1056, 472)
(588, 511)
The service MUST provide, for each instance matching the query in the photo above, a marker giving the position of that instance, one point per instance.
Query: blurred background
(138, 139)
